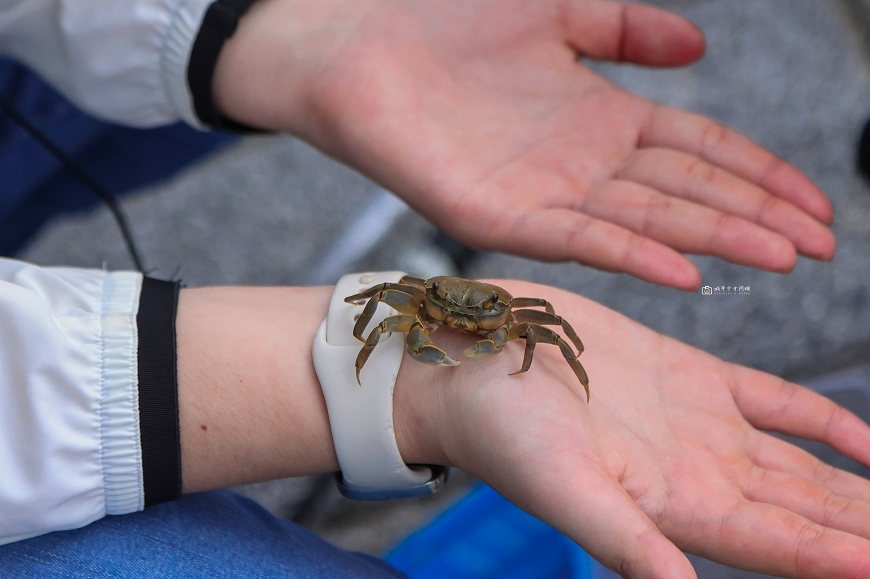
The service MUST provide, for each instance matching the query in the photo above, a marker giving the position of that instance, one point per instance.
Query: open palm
(478, 113)
(669, 453)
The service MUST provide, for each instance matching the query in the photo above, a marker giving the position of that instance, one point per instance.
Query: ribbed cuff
(119, 403)
(158, 391)
(190, 51)
(175, 56)
(218, 24)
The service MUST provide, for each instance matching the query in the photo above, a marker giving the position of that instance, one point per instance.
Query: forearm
(268, 71)
(250, 405)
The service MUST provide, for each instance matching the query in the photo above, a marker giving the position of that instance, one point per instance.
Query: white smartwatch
(361, 415)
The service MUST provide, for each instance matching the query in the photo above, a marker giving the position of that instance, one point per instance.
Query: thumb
(608, 30)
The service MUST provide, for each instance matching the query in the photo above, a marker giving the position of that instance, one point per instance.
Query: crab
(462, 304)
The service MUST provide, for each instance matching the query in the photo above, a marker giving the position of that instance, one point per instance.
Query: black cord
(71, 165)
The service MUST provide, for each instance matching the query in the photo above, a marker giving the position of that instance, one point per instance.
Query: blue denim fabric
(213, 535)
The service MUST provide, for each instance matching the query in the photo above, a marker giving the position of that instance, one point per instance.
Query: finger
(566, 235)
(771, 403)
(632, 33)
(602, 517)
(808, 499)
(769, 539)
(734, 152)
(689, 227)
(688, 177)
(774, 454)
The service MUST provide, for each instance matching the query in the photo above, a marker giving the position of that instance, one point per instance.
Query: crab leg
(486, 348)
(413, 280)
(406, 299)
(421, 348)
(401, 323)
(382, 288)
(519, 332)
(533, 302)
(532, 333)
(539, 317)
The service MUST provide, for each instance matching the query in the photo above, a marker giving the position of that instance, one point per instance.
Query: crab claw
(433, 355)
(482, 349)
(421, 348)
(492, 345)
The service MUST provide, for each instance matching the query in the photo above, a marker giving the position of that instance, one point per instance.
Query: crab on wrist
(360, 404)
(467, 305)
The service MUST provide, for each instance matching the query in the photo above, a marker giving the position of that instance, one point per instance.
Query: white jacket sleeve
(69, 422)
(121, 60)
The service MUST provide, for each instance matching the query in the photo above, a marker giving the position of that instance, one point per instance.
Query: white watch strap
(361, 417)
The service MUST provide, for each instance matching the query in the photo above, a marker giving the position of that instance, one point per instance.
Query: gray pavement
(795, 76)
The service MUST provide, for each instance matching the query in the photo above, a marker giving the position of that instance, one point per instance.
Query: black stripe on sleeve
(218, 24)
(158, 391)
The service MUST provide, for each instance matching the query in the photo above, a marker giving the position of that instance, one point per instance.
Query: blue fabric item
(484, 536)
(35, 187)
(214, 535)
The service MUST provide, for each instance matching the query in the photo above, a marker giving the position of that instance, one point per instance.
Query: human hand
(669, 453)
(478, 114)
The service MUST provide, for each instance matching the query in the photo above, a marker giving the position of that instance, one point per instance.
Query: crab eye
(493, 298)
(435, 286)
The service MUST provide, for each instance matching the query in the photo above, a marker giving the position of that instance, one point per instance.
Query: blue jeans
(213, 535)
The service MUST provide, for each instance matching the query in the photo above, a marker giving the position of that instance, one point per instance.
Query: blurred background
(270, 210)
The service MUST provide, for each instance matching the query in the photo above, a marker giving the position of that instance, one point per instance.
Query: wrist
(420, 399)
(435, 406)
(443, 414)
(269, 71)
